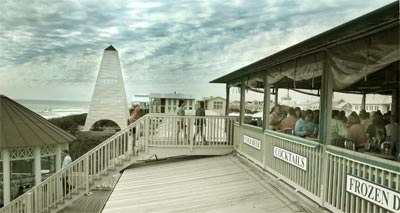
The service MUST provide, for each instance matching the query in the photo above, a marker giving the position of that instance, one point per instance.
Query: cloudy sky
(52, 49)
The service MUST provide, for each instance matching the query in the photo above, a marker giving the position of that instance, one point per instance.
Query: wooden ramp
(214, 184)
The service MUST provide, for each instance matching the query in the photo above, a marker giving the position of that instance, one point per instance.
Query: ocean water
(54, 109)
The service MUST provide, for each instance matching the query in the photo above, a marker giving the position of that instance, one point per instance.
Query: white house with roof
(337, 104)
(374, 103)
(216, 104)
(168, 103)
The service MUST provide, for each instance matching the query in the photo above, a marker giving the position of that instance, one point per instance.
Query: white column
(58, 157)
(6, 176)
(37, 164)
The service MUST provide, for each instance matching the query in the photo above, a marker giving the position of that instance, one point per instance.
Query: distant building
(339, 104)
(374, 103)
(169, 103)
(142, 100)
(215, 104)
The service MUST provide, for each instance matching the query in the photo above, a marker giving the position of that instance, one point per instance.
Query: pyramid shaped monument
(109, 98)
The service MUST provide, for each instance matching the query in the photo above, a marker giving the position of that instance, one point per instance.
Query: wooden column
(276, 95)
(227, 101)
(363, 100)
(267, 102)
(326, 103)
(242, 102)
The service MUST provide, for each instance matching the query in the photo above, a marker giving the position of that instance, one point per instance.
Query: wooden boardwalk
(89, 204)
(216, 184)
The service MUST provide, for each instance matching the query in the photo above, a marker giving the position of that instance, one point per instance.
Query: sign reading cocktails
(252, 142)
(290, 157)
(376, 194)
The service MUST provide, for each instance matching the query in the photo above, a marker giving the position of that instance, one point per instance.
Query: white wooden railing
(324, 178)
(149, 131)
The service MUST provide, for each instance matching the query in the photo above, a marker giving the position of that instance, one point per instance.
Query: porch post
(363, 100)
(326, 102)
(6, 176)
(227, 101)
(276, 95)
(242, 102)
(267, 101)
(37, 165)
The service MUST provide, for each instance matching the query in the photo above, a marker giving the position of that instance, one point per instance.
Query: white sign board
(252, 142)
(373, 193)
(290, 157)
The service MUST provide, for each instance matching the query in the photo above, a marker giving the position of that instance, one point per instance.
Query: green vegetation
(70, 123)
(85, 141)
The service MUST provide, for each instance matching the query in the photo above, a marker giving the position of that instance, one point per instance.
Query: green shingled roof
(21, 127)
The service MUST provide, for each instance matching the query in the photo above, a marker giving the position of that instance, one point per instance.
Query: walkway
(214, 184)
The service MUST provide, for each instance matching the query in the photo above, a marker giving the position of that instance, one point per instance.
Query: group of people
(200, 123)
(294, 121)
(359, 129)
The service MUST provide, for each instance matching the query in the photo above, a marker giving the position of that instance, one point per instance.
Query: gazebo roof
(21, 127)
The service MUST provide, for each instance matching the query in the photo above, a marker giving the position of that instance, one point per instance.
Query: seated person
(290, 121)
(357, 133)
(305, 128)
(376, 130)
(338, 130)
(393, 123)
(275, 118)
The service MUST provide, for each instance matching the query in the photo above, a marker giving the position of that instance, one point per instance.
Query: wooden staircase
(150, 136)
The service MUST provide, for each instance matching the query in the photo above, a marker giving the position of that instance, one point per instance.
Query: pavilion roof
(21, 127)
(354, 50)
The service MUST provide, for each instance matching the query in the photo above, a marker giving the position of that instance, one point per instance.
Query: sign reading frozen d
(290, 157)
(376, 194)
(252, 142)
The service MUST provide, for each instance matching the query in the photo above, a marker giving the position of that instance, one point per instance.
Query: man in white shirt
(66, 161)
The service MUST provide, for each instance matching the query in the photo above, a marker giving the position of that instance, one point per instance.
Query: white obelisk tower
(109, 97)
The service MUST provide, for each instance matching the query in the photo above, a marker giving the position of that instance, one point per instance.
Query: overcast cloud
(52, 49)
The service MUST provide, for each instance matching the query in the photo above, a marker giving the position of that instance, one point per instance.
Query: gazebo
(30, 147)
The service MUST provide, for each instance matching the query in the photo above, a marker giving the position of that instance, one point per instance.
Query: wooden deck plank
(216, 184)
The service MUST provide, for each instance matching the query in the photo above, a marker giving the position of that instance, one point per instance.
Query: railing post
(189, 135)
(87, 173)
(130, 143)
(29, 206)
(146, 134)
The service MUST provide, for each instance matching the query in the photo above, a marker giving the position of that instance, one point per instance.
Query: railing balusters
(153, 130)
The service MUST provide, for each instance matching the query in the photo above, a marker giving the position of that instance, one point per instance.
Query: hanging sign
(373, 193)
(252, 142)
(290, 157)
